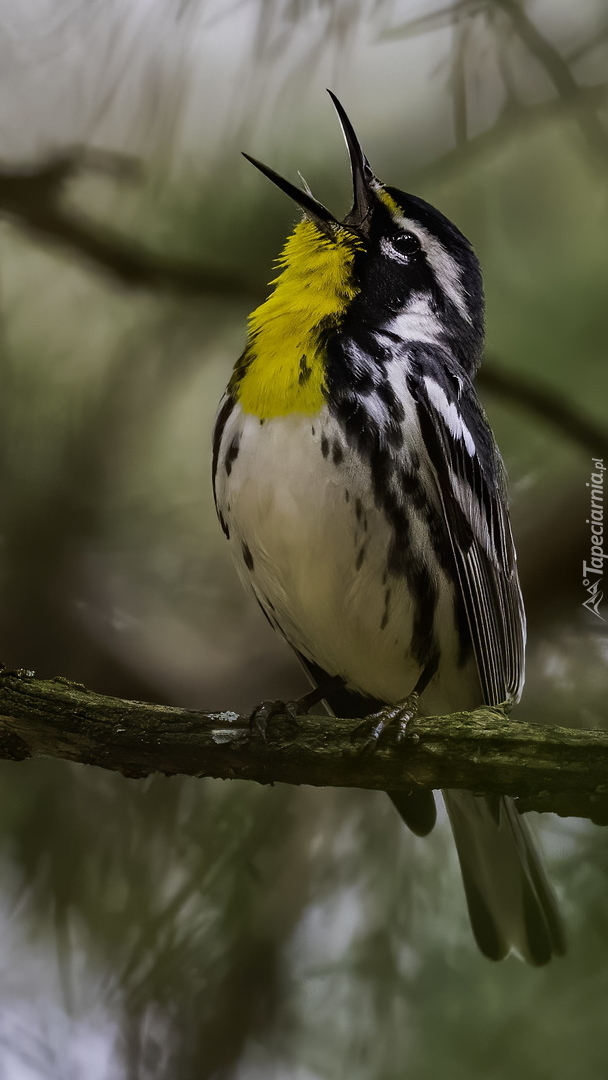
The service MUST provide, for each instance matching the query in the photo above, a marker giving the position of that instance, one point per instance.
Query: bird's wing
(472, 488)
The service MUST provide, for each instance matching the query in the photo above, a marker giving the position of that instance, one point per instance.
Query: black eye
(406, 243)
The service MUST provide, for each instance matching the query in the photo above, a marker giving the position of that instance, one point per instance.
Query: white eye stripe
(444, 267)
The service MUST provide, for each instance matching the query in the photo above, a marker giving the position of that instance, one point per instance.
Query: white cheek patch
(444, 267)
(448, 411)
(416, 322)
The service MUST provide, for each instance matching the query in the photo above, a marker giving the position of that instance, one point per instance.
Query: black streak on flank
(305, 372)
(358, 509)
(425, 594)
(225, 529)
(324, 446)
(248, 557)
(413, 489)
(387, 600)
(220, 424)
(337, 454)
(265, 614)
(232, 454)
(360, 557)
(347, 494)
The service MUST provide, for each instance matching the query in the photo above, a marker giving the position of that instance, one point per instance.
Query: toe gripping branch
(262, 715)
(375, 725)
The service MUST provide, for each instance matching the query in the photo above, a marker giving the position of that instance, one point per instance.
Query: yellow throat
(282, 369)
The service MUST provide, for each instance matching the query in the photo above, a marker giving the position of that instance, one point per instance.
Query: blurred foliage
(185, 929)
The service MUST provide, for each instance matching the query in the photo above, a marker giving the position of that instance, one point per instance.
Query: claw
(294, 709)
(402, 713)
(263, 713)
(408, 712)
(261, 716)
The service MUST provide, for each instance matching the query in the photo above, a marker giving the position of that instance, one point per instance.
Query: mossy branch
(555, 769)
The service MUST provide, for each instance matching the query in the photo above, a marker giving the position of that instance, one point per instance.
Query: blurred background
(174, 928)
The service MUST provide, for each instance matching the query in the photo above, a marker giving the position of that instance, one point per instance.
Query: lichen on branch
(563, 770)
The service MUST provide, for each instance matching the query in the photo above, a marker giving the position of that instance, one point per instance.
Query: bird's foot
(267, 710)
(264, 712)
(261, 716)
(401, 714)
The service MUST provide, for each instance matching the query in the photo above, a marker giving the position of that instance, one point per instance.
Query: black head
(413, 267)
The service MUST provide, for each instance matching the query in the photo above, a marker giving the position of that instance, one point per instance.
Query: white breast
(306, 535)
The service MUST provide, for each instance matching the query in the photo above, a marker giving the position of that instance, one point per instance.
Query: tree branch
(31, 197)
(545, 768)
(546, 403)
(558, 70)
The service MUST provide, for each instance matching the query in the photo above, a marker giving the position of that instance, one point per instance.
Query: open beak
(361, 172)
(362, 184)
(315, 210)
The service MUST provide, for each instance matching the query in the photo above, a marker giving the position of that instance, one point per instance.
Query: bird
(364, 499)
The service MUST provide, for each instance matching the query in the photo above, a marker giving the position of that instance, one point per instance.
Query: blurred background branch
(559, 72)
(542, 402)
(32, 198)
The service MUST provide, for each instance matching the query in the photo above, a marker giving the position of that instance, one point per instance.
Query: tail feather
(417, 807)
(510, 901)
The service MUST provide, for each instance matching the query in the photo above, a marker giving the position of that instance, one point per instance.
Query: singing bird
(360, 487)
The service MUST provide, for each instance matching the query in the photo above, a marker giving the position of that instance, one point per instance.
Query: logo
(593, 571)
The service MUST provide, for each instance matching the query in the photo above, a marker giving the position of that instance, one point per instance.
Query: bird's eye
(406, 243)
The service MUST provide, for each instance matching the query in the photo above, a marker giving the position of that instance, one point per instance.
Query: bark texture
(563, 770)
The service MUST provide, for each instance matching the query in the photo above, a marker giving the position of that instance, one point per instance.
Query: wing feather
(472, 488)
